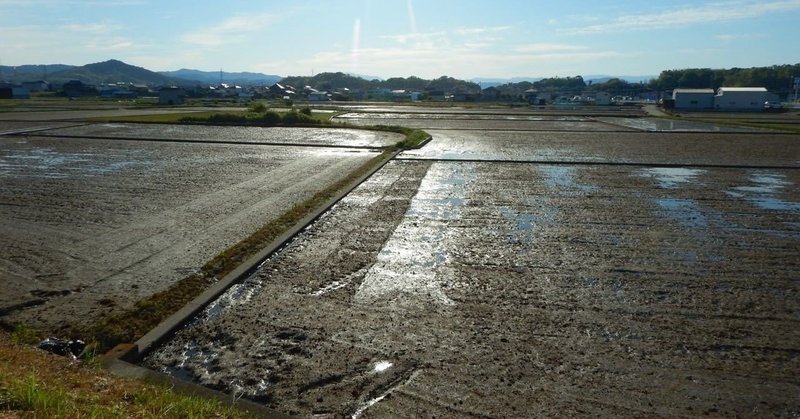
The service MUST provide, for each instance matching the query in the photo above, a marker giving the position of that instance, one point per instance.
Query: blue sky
(390, 38)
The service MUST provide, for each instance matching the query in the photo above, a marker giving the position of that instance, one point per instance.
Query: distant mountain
(366, 77)
(487, 82)
(601, 78)
(213, 77)
(30, 72)
(113, 71)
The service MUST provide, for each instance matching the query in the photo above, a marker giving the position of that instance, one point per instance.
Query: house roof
(743, 89)
(695, 91)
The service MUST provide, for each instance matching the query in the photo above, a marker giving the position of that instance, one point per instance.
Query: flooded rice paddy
(274, 135)
(672, 125)
(89, 226)
(503, 274)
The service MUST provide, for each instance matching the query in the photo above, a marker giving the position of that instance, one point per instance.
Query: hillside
(333, 81)
(30, 72)
(113, 71)
(213, 77)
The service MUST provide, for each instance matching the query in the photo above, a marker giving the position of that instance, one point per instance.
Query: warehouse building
(740, 98)
(693, 98)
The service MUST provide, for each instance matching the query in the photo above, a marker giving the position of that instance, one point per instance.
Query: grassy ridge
(753, 124)
(36, 384)
(147, 314)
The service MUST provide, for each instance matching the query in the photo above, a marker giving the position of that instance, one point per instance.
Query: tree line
(339, 80)
(778, 79)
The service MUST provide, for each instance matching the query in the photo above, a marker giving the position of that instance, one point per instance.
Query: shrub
(306, 111)
(257, 107)
(270, 118)
(294, 118)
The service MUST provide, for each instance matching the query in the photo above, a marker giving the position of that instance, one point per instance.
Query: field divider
(133, 353)
(209, 141)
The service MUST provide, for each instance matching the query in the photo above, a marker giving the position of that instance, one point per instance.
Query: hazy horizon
(399, 38)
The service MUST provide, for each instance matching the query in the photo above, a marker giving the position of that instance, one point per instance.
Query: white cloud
(416, 38)
(548, 48)
(736, 36)
(230, 31)
(455, 61)
(481, 31)
(92, 28)
(710, 13)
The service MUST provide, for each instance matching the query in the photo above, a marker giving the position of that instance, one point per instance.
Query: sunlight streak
(354, 51)
(412, 19)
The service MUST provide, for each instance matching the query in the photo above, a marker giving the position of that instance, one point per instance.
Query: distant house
(318, 96)
(437, 95)
(490, 94)
(13, 91)
(602, 98)
(139, 88)
(740, 98)
(535, 97)
(171, 96)
(37, 86)
(693, 98)
(76, 88)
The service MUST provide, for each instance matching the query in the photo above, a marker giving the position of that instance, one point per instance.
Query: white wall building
(693, 98)
(740, 98)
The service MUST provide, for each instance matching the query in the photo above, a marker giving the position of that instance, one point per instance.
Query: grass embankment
(146, 314)
(753, 124)
(36, 384)
(262, 117)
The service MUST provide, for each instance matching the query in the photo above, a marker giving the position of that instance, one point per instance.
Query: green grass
(36, 384)
(752, 124)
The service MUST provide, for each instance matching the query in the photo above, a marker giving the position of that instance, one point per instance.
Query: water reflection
(671, 125)
(671, 177)
(763, 192)
(407, 266)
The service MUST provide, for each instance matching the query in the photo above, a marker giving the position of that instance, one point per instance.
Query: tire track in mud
(296, 362)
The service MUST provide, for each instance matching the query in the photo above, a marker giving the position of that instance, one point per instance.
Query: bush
(257, 107)
(225, 118)
(306, 111)
(270, 118)
(294, 118)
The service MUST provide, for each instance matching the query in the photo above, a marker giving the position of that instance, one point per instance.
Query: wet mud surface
(500, 289)
(12, 127)
(89, 226)
(293, 136)
(672, 125)
(523, 123)
(736, 149)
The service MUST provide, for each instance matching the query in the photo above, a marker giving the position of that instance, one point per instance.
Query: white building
(740, 98)
(693, 98)
(318, 96)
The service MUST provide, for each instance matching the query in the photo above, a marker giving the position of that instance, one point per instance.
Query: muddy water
(736, 149)
(462, 289)
(671, 125)
(88, 226)
(299, 136)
